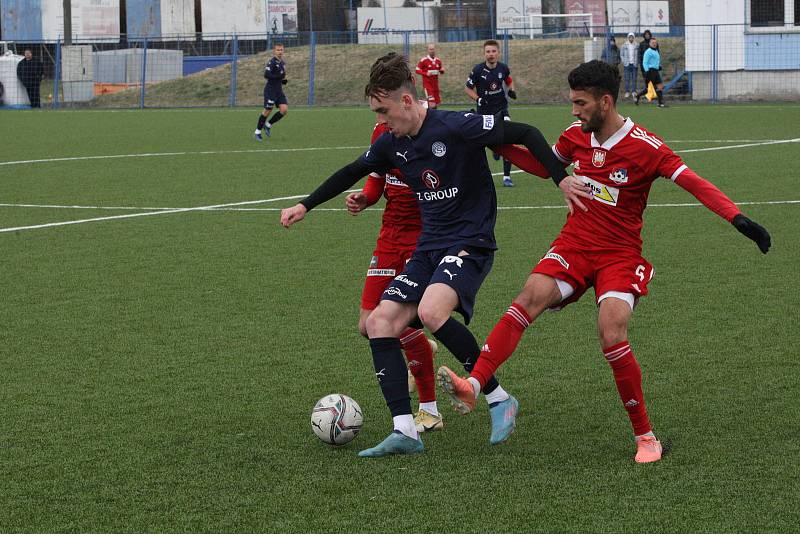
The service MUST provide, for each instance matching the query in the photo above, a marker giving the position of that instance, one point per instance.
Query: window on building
(797, 12)
(767, 13)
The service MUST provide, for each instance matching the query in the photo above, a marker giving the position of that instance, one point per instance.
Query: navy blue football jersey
(274, 72)
(445, 165)
(488, 83)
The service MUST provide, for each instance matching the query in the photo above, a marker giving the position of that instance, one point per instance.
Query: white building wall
(699, 16)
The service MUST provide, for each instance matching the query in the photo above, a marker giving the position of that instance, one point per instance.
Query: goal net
(535, 25)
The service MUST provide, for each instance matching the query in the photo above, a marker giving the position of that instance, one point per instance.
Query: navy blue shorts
(274, 98)
(461, 267)
(488, 110)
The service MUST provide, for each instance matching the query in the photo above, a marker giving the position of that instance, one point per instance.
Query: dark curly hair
(596, 77)
(389, 73)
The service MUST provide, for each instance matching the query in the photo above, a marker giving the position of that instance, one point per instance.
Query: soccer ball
(336, 419)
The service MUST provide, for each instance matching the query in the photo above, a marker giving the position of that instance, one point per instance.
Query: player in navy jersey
(485, 87)
(275, 73)
(440, 155)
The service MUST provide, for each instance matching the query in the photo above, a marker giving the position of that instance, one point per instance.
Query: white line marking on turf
(195, 153)
(160, 211)
(755, 142)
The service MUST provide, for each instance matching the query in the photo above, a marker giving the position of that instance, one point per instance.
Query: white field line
(753, 142)
(188, 153)
(251, 202)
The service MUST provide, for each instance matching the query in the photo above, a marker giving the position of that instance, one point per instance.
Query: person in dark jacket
(643, 46)
(30, 72)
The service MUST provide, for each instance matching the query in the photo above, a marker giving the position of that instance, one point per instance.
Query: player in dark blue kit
(275, 73)
(440, 155)
(485, 87)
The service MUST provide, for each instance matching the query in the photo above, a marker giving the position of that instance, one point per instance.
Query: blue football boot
(396, 443)
(504, 419)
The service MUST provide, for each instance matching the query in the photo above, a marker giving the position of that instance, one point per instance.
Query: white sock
(257, 131)
(405, 424)
(476, 386)
(267, 125)
(649, 434)
(498, 395)
(429, 407)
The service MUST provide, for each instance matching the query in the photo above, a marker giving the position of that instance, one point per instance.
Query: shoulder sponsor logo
(430, 179)
(381, 272)
(439, 149)
(391, 179)
(601, 192)
(619, 176)
(598, 157)
(488, 122)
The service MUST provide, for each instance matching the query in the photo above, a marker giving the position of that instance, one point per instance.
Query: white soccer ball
(336, 419)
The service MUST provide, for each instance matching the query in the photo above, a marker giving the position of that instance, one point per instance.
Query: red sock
(420, 362)
(628, 376)
(502, 341)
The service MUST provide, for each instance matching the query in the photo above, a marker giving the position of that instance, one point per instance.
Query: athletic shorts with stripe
(618, 274)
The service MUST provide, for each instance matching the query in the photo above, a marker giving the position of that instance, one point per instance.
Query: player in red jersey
(397, 240)
(600, 246)
(430, 68)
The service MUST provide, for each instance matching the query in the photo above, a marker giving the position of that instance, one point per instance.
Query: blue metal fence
(709, 63)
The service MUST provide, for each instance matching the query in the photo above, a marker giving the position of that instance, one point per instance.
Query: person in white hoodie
(629, 56)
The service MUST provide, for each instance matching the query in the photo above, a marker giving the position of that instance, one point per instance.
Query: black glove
(480, 102)
(512, 94)
(284, 81)
(753, 231)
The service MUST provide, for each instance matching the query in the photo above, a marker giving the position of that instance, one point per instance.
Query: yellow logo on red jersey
(601, 192)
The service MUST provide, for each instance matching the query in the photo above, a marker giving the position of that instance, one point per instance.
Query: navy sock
(660, 95)
(275, 118)
(392, 374)
(261, 120)
(460, 341)
(506, 168)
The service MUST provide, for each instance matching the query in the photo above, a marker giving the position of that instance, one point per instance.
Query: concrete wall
(125, 66)
(748, 85)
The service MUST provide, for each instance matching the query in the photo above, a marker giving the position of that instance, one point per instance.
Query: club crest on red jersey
(598, 158)
(619, 176)
(430, 179)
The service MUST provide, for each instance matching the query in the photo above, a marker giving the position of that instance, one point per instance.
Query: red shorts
(382, 270)
(432, 93)
(610, 273)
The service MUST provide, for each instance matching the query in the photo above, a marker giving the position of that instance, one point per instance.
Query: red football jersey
(401, 224)
(620, 173)
(430, 68)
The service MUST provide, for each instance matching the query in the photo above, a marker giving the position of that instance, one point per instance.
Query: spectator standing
(630, 55)
(30, 72)
(610, 53)
(643, 46)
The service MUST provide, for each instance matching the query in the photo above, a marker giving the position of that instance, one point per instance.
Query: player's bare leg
(612, 327)
(384, 326)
